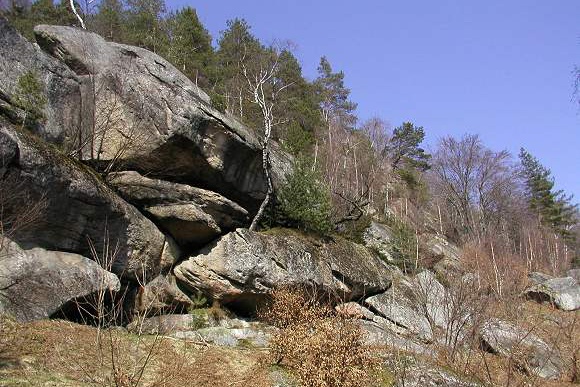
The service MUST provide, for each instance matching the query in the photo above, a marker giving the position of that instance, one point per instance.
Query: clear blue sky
(502, 69)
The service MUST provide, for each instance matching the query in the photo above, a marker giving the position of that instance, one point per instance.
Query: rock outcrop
(528, 350)
(563, 292)
(158, 121)
(192, 216)
(252, 336)
(62, 113)
(201, 325)
(163, 325)
(243, 266)
(378, 237)
(447, 254)
(37, 283)
(80, 211)
(399, 311)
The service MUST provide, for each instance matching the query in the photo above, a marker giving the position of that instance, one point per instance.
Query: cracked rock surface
(79, 211)
(153, 119)
(243, 266)
(61, 85)
(192, 216)
(36, 283)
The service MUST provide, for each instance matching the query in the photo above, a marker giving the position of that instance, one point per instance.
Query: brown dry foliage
(322, 348)
(556, 328)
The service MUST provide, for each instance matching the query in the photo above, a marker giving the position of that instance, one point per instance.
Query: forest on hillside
(503, 209)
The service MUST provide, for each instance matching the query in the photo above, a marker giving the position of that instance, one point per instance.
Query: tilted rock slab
(398, 310)
(528, 350)
(243, 266)
(36, 283)
(152, 118)
(61, 86)
(418, 373)
(80, 208)
(193, 216)
(564, 293)
(419, 305)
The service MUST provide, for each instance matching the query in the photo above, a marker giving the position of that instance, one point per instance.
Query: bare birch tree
(260, 70)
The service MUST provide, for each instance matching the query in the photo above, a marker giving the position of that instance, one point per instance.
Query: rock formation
(243, 266)
(80, 210)
(36, 283)
(158, 121)
(62, 112)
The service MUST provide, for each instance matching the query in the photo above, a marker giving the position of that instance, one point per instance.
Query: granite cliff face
(158, 122)
(62, 87)
(129, 163)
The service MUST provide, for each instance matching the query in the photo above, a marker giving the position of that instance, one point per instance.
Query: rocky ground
(138, 218)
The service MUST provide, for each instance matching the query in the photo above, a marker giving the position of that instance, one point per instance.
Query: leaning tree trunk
(270, 190)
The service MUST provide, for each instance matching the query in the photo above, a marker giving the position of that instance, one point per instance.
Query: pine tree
(144, 25)
(190, 47)
(333, 95)
(109, 20)
(298, 110)
(24, 17)
(404, 147)
(237, 44)
(305, 201)
(553, 207)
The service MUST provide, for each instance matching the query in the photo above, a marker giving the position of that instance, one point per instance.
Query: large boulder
(525, 348)
(434, 300)
(152, 118)
(61, 86)
(381, 332)
(401, 313)
(536, 278)
(411, 372)
(377, 333)
(37, 283)
(563, 292)
(81, 214)
(243, 266)
(422, 307)
(192, 216)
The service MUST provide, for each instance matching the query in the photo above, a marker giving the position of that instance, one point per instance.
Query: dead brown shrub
(322, 348)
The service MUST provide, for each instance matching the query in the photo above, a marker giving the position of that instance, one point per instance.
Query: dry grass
(60, 353)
